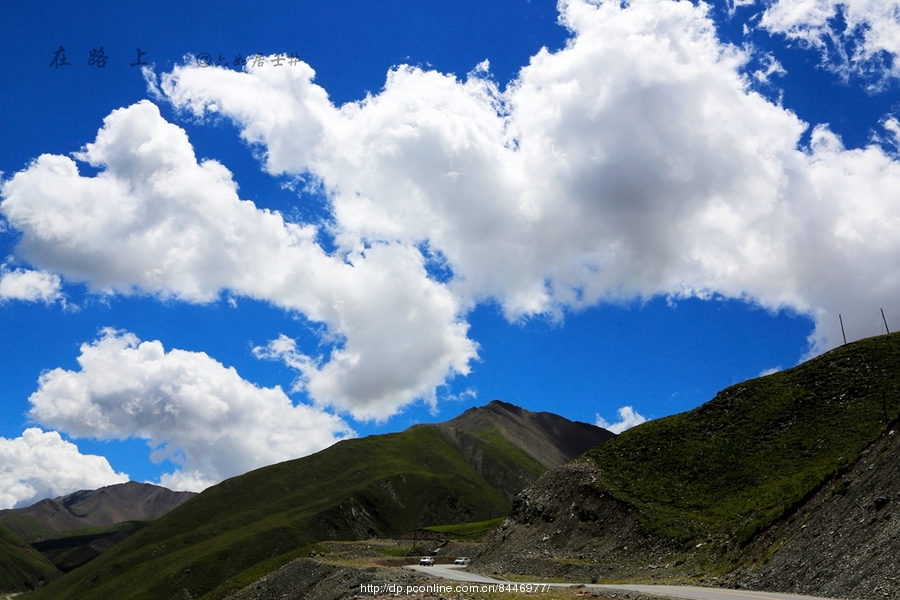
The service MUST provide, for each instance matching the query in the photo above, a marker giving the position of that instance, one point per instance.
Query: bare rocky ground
(363, 571)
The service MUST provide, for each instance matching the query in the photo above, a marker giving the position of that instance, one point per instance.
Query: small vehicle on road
(462, 560)
(426, 561)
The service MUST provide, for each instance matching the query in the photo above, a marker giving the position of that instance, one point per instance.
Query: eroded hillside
(700, 496)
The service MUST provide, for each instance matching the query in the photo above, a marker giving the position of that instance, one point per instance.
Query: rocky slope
(789, 482)
(565, 526)
(844, 541)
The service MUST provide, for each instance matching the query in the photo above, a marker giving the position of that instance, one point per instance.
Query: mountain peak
(501, 406)
(549, 438)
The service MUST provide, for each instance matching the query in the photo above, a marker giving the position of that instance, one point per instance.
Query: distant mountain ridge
(36, 541)
(463, 470)
(83, 509)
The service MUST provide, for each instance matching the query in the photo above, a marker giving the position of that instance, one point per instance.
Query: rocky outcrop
(564, 526)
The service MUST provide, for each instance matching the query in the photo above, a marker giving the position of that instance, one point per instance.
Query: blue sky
(609, 211)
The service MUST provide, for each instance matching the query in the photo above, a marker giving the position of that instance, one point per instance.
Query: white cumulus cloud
(40, 464)
(190, 408)
(28, 285)
(636, 161)
(628, 418)
(157, 221)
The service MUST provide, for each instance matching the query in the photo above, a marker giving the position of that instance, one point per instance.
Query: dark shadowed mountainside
(464, 470)
(783, 482)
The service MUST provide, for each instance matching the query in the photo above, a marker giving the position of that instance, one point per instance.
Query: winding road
(456, 573)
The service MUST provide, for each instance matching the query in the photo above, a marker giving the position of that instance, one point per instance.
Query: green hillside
(377, 486)
(727, 470)
(26, 526)
(21, 566)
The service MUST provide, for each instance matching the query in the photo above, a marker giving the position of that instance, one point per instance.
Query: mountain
(108, 505)
(72, 530)
(21, 566)
(545, 438)
(463, 470)
(549, 438)
(724, 491)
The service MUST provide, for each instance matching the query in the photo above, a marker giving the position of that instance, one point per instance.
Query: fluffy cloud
(157, 221)
(31, 286)
(854, 36)
(628, 418)
(40, 464)
(190, 408)
(620, 165)
(634, 162)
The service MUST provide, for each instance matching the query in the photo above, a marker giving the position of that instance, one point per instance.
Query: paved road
(453, 573)
(456, 573)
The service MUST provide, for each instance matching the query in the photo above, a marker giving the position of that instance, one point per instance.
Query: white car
(426, 561)
(462, 560)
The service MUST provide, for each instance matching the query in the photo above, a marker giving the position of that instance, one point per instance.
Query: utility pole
(842, 328)
(885, 321)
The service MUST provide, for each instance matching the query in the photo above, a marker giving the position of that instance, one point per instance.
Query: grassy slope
(391, 483)
(508, 456)
(467, 531)
(21, 566)
(27, 526)
(728, 469)
(504, 466)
